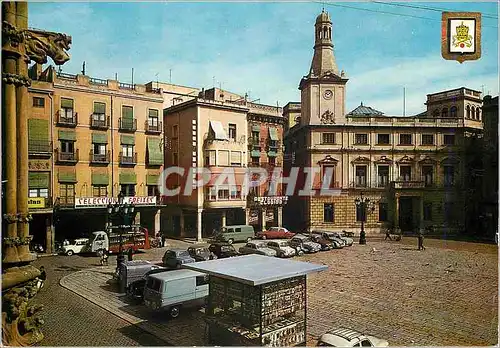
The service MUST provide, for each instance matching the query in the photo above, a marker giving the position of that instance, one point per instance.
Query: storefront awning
(67, 135)
(219, 132)
(99, 138)
(273, 133)
(155, 155)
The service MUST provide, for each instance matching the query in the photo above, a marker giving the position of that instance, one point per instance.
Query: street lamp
(124, 211)
(362, 204)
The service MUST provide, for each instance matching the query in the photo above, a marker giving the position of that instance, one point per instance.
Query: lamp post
(123, 211)
(362, 204)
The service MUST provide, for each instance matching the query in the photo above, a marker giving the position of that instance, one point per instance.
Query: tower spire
(323, 59)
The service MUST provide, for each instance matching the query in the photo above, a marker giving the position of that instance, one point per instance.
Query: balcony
(96, 122)
(127, 125)
(255, 143)
(67, 121)
(98, 158)
(360, 182)
(67, 157)
(407, 183)
(153, 129)
(128, 160)
(39, 148)
(35, 203)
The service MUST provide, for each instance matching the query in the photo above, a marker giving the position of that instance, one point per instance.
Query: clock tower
(323, 88)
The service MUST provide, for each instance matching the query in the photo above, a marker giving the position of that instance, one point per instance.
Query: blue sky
(265, 48)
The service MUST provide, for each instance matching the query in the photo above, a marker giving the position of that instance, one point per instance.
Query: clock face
(328, 94)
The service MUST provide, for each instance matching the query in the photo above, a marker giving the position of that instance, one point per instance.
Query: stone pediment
(427, 160)
(384, 159)
(328, 160)
(361, 159)
(405, 159)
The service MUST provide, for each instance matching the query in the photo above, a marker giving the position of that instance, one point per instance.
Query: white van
(172, 290)
(80, 245)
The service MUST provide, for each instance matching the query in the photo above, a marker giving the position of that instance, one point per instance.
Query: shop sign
(36, 202)
(269, 216)
(102, 202)
(278, 200)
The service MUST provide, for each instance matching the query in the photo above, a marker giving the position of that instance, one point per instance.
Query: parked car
(274, 233)
(325, 243)
(174, 258)
(305, 244)
(176, 290)
(259, 248)
(343, 337)
(136, 289)
(337, 241)
(282, 248)
(223, 250)
(200, 253)
(235, 233)
(345, 236)
(77, 246)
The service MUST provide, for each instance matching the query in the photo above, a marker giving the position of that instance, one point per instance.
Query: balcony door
(382, 176)
(405, 173)
(361, 176)
(427, 175)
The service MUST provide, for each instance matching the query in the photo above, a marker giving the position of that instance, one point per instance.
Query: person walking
(421, 240)
(387, 234)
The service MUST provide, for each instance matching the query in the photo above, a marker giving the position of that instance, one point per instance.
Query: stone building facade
(90, 139)
(411, 168)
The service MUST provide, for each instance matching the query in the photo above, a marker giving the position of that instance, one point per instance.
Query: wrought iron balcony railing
(103, 158)
(153, 128)
(128, 159)
(68, 157)
(127, 125)
(67, 121)
(97, 122)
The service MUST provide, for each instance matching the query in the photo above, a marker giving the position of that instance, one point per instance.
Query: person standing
(421, 240)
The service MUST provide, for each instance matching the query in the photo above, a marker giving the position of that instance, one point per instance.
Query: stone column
(396, 213)
(181, 223)
(263, 215)
(199, 225)
(223, 218)
(280, 216)
(9, 134)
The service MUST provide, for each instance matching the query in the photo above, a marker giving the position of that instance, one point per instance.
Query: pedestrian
(130, 254)
(420, 240)
(104, 258)
(43, 275)
(388, 234)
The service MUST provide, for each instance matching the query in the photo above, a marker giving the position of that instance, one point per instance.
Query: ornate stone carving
(11, 36)
(405, 159)
(14, 79)
(39, 165)
(328, 117)
(40, 44)
(361, 159)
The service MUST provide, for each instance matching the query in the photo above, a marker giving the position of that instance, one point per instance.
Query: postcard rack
(273, 314)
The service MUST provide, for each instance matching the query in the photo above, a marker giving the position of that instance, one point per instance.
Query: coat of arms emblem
(461, 36)
(328, 117)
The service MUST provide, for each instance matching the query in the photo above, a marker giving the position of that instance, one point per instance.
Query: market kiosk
(256, 300)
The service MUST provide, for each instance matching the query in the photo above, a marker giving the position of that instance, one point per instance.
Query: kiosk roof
(255, 269)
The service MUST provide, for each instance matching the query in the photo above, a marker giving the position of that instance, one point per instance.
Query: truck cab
(100, 241)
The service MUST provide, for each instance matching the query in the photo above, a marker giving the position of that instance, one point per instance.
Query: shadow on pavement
(143, 339)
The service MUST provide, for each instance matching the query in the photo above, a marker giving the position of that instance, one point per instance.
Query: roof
(242, 269)
(323, 17)
(362, 110)
(176, 274)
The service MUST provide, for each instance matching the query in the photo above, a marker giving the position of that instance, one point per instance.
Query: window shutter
(100, 179)
(66, 103)
(99, 108)
(99, 138)
(212, 158)
(67, 177)
(152, 179)
(235, 157)
(38, 129)
(38, 180)
(153, 113)
(128, 178)
(154, 152)
(127, 140)
(67, 135)
(127, 112)
(223, 158)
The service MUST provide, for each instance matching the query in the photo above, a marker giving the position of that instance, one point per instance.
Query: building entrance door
(406, 214)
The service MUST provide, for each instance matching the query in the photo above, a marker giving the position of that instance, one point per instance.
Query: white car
(77, 246)
(282, 248)
(343, 337)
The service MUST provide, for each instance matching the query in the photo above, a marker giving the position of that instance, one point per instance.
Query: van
(236, 233)
(173, 290)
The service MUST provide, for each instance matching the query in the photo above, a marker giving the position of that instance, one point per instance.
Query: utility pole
(170, 70)
(404, 101)
(132, 76)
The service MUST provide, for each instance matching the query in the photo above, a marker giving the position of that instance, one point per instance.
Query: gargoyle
(40, 44)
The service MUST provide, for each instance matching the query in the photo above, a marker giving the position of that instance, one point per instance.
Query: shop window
(328, 212)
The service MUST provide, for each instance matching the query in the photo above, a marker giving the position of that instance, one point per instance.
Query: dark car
(200, 253)
(136, 289)
(174, 258)
(325, 243)
(223, 250)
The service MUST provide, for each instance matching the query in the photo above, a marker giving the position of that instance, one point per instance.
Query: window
(328, 138)
(383, 139)
(453, 111)
(99, 111)
(175, 131)
(360, 176)
(427, 139)
(405, 139)
(223, 193)
(38, 102)
(272, 161)
(201, 280)
(256, 160)
(66, 108)
(383, 212)
(328, 176)
(38, 192)
(153, 190)
(223, 159)
(328, 212)
(473, 113)
(427, 173)
(255, 136)
(236, 158)
(427, 211)
(449, 139)
(444, 112)
(232, 131)
(154, 284)
(99, 149)
(361, 139)
(235, 192)
(175, 158)
(128, 190)
(67, 194)
(468, 111)
(366, 343)
(435, 113)
(405, 173)
(128, 151)
(449, 175)
(382, 176)
(99, 190)
(210, 158)
(478, 117)
(67, 146)
(211, 192)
